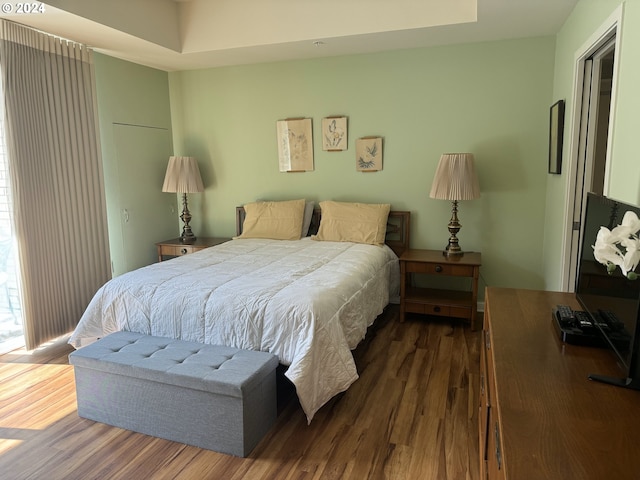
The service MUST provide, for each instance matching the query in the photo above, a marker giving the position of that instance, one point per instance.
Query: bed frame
(397, 236)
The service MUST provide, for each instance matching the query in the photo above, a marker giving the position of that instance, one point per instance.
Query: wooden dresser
(540, 417)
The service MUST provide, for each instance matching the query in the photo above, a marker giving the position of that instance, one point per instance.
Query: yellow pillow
(275, 220)
(353, 222)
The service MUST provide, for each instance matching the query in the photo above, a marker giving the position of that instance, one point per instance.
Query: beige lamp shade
(183, 176)
(455, 178)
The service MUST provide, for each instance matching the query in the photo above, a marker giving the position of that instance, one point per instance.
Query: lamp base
(447, 252)
(187, 236)
(453, 248)
(187, 239)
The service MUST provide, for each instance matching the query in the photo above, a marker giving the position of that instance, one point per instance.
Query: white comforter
(306, 301)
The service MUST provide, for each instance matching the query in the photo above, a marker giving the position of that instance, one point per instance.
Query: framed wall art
(334, 134)
(556, 134)
(369, 154)
(295, 145)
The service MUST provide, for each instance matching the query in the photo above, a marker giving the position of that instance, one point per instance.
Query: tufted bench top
(209, 368)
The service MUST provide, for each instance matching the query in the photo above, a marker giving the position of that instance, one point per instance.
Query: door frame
(576, 168)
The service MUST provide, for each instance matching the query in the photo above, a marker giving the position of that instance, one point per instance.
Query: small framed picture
(556, 134)
(334, 134)
(369, 154)
(295, 145)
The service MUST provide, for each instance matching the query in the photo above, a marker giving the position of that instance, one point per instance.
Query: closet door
(146, 214)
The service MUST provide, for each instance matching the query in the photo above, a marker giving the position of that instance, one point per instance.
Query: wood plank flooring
(411, 415)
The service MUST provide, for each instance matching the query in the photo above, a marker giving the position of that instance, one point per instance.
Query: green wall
(625, 173)
(624, 182)
(135, 131)
(491, 99)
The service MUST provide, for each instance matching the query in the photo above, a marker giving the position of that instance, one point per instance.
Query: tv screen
(610, 297)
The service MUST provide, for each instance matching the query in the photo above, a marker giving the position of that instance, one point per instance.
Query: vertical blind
(56, 179)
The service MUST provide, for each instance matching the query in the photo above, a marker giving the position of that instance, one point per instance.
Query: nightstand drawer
(428, 309)
(177, 250)
(441, 310)
(440, 269)
(449, 311)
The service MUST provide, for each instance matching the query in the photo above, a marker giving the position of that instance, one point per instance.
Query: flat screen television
(611, 299)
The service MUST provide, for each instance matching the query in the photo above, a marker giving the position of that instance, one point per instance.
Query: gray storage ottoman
(209, 396)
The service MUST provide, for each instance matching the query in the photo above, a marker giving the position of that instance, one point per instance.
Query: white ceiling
(190, 34)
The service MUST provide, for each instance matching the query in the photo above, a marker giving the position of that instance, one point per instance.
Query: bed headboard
(397, 236)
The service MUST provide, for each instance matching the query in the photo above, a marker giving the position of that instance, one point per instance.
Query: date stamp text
(22, 8)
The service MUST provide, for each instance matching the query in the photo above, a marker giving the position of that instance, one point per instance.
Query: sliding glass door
(11, 332)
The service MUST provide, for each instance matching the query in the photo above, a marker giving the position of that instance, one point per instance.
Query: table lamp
(455, 180)
(183, 176)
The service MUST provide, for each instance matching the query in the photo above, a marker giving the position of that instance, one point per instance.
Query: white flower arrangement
(620, 247)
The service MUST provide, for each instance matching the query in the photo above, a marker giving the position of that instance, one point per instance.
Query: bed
(309, 300)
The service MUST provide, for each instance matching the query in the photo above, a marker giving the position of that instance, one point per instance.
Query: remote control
(584, 320)
(565, 315)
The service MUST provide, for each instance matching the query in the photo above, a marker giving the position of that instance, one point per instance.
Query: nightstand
(175, 248)
(434, 301)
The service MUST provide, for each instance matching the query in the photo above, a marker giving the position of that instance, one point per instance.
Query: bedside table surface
(200, 242)
(436, 256)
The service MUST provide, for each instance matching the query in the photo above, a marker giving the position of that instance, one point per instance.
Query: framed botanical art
(334, 134)
(556, 134)
(369, 154)
(295, 145)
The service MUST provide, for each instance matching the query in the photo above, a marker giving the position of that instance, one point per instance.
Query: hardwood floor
(411, 415)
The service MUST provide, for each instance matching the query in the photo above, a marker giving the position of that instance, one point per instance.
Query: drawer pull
(438, 268)
(436, 309)
(183, 251)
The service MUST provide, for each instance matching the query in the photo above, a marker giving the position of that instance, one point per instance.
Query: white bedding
(306, 301)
